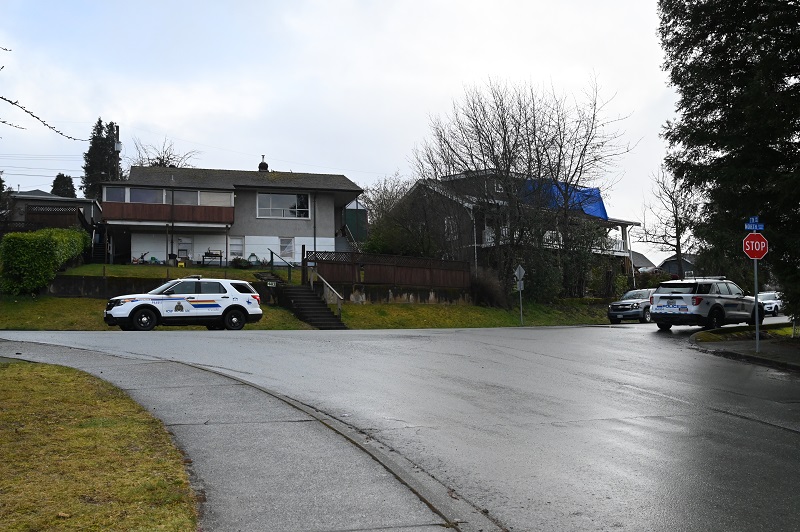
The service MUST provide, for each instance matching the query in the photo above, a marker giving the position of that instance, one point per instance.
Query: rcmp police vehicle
(193, 300)
(710, 302)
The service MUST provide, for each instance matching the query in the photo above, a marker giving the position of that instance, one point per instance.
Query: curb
(744, 357)
(459, 514)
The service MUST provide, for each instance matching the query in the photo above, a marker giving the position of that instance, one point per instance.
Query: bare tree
(527, 155)
(384, 195)
(15, 103)
(164, 155)
(672, 216)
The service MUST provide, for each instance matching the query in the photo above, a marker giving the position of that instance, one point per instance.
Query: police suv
(193, 300)
(710, 302)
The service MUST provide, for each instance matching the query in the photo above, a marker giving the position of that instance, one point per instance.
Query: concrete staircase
(308, 306)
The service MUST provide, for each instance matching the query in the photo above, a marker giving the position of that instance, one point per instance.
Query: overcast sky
(327, 86)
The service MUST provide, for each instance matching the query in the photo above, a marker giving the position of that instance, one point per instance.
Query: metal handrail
(351, 239)
(339, 298)
(289, 266)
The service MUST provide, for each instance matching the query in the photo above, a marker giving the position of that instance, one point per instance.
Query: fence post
(303, 265)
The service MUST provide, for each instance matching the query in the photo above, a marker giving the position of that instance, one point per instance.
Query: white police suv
(193, 300)
(710, 302)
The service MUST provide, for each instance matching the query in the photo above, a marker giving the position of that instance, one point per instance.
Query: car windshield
(161, 289)
(636, 294)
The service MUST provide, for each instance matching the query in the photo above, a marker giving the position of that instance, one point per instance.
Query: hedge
(30, 261)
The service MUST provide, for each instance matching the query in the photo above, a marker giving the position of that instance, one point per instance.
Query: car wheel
(645, 316)
(775, 313)
(716, 319)
(144, 319)
(664, 326)
(615, 321)
(760, 313)
(234, 319)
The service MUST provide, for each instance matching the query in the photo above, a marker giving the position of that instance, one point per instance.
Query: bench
(212, 255)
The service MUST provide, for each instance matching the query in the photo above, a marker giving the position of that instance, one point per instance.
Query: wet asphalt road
(579, 428)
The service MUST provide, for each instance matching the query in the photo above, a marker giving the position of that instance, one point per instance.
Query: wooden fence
(364, 268)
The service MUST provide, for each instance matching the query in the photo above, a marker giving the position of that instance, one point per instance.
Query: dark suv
(710, 302)
(634, 305)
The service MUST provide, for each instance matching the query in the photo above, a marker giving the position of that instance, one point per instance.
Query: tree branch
(20, 106)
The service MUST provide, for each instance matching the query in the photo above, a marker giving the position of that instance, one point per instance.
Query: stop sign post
(755, 246)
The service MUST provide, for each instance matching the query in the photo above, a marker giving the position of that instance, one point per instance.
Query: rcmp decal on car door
(174, 305)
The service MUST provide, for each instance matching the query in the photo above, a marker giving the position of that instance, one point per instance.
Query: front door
(181, 295)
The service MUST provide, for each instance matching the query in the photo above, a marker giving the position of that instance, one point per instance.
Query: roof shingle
(231, 179)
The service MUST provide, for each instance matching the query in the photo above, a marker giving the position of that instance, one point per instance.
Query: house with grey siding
(205, 215)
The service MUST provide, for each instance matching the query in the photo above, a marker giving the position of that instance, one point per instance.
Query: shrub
(30, 260)
(488, 291)
(240, 262)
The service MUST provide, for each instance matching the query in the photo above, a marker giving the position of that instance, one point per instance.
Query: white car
(193, 300)
(710, 302)
(771, 301)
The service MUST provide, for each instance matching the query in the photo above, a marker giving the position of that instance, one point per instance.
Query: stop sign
(755, 246)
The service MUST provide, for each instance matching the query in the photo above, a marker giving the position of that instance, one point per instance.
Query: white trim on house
(163, 224)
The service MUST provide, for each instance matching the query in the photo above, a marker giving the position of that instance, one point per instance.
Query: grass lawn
(776, 331)
(79, 454)
(160, 272)
(86, 314)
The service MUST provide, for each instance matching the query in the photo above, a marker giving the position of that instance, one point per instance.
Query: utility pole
(117, 150)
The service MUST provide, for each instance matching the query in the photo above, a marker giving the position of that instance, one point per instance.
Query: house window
(450, 228)
(115, 194)
(215, 199)
(182, 197)
(283, 206)
(147, 195)
(287, 248)
(236, 244)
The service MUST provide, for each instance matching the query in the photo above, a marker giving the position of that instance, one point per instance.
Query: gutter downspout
(474, 238)
(314, 199)
(626, 238)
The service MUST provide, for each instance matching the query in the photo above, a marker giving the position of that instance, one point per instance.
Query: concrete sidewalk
(777, 353)
(264, 463)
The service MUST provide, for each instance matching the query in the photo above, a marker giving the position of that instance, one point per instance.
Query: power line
(38, 168)
(26, 156)
(37, 175)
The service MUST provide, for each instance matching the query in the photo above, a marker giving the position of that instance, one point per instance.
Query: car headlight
(635, 305)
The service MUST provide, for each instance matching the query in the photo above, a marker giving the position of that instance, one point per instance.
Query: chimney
(263, 166)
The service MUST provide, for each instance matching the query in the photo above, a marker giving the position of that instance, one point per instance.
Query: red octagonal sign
(755, 246)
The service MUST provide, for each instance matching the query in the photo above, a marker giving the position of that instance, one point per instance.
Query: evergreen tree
(101, 161)
(63, 186)
(736, 66)
(4, 214)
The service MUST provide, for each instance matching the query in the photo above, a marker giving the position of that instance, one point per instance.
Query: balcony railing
(153, 212)
(552, 240)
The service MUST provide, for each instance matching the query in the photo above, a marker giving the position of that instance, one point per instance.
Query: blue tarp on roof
(586, 199)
